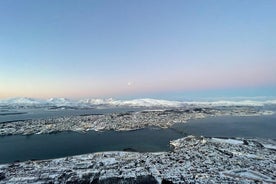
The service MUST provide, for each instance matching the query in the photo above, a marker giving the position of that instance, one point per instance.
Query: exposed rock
(165, 181)
(2, 176)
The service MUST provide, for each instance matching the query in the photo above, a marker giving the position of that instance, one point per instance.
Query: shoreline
(121, 121)
(192, 159)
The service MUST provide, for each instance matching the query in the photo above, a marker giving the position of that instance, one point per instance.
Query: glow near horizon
(108, 48)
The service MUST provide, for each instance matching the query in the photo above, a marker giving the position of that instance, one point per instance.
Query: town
(162, 118)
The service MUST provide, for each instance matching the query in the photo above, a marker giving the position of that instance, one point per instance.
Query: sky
(142, 48)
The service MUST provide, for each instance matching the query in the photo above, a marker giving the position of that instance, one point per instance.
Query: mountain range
(144, 102)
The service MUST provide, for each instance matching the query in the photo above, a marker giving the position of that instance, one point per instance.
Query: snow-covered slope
(145, 102)
(234, 103)
(21, 101)
(62, 102)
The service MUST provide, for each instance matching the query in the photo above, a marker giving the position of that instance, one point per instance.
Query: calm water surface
(229, 126)
(14, 148)
(63, 144)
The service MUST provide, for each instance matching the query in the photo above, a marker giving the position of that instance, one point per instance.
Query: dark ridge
(94, 178)
(92, 114)
(172, 111)
(164, 181)
(147, 179)
(16, 120)
(225, 152)
(2, 176)
(198, 109)
(124, 114)
(130, 150)
(220, 137)
(12, 113)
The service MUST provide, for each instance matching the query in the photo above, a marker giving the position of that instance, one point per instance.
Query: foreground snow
(192, 160)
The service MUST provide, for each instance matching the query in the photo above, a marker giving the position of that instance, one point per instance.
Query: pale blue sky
(137, 48)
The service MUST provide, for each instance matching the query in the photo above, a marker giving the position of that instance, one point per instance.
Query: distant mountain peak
(143, 102)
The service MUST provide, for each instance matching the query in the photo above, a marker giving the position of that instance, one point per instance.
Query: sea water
(150, 139)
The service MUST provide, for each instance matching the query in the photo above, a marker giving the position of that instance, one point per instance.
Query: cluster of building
(192, 160)
(120, 121)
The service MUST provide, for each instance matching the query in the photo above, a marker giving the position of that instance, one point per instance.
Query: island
(162, 118)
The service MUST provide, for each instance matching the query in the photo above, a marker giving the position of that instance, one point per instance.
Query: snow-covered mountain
(145, 102)
(62, 102)
(234, 103)
(21, 101)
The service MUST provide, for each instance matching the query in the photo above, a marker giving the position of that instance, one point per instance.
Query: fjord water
(231, 126)
(47, 146)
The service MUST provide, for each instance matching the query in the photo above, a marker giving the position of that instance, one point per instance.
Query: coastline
(122, 121)
(193, 159)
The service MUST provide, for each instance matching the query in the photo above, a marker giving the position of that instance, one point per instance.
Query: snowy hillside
(21, 101)
(145, 102)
